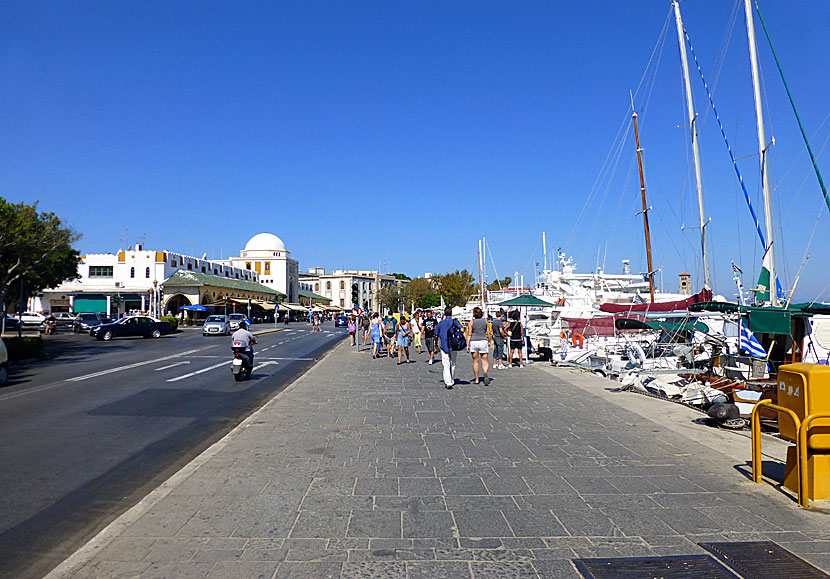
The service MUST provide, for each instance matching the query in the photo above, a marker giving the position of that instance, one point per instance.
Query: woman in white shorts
(478, 343)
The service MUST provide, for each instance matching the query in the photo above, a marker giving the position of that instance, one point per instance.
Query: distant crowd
(501, 332)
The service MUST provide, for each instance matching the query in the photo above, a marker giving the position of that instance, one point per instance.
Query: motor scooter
(241, 365)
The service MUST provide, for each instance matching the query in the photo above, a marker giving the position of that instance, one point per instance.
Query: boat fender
(723, 411)
(636, 353)
(578, 340)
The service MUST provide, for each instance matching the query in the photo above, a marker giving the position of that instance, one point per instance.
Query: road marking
(281, 343)
(136, 365)
(208, 369)
(287, 358)
(172, 365)
(263, 365)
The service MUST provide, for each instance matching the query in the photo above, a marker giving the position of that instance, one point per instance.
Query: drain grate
(763, 560)
(676, 567)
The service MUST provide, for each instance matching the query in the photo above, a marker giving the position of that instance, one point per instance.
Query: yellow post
(757, 471)
(803, 452)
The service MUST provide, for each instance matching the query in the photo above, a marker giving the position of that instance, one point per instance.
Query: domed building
(265, 254)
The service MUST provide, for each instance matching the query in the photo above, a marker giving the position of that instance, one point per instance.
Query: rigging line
(726, 142)
(619, 141)
(792, 103)
(721, 59)
(801, 152)
(806, 177)
(493, 261)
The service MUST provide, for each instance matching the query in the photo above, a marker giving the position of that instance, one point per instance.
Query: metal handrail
(755, 424)
(803, 451)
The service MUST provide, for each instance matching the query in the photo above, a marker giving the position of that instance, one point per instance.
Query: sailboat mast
(484, 266)
(707, 282)
(645, 208)
(544, 253)
(762, 149)
(480, 281)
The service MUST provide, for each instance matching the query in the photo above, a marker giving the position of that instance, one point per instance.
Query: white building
(114, 283)
(265, 255)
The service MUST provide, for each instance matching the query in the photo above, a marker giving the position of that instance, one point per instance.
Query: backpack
(455, 337)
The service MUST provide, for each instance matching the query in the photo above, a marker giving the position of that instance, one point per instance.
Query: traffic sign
(356, 312)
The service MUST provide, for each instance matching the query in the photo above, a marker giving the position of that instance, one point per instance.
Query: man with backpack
(452, 338)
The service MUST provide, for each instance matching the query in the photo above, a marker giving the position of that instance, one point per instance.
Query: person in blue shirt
(448, 356)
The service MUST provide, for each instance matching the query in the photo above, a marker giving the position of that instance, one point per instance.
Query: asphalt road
(88, 434)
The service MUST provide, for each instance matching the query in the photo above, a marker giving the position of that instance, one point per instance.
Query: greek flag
(750, 344)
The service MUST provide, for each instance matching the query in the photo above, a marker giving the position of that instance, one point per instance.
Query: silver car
(216, 325)
(236, 319)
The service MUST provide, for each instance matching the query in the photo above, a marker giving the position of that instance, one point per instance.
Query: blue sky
(400, 133)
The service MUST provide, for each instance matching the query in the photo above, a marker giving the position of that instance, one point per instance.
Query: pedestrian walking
(415, 322)
(376, 330)
(478, 344)
(404, 332)
(497, 328)
(390, 324)
(315, 323)
(429, 325)
(515, 336)
(364, 327)
(352, 329)
(448, 355)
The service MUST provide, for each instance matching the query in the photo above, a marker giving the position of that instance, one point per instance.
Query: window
(189, 266)
(267, 268)
(342, 285)
(316, 287)
(203, 269)
(132, 272)
(247, 265)
(147, 273)
(100, 271)
(173, 263)
(328, 286)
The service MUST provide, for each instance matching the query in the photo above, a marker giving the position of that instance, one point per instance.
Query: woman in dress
(404, 331)
(515, 336)
(415, 322)
(376, 331)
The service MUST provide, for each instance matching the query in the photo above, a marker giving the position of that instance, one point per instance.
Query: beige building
(337, 286)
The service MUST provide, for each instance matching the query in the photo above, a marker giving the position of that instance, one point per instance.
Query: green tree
(417, 289)
(500, 284)
(35, 249)
(430, 301)
(389, 296)
(402, 276)
(457, 287)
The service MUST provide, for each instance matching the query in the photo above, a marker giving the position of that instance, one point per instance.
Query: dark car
(341, 321)
(132, 326)
(86, 321)
(12, 324)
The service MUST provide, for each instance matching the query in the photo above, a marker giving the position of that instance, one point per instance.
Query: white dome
(265, 242)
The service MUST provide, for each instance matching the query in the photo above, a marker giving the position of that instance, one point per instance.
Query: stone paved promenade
(368, 469)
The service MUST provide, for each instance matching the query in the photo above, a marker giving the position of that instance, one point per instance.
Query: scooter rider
(245, 336)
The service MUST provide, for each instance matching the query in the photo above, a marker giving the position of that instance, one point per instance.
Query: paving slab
(363, 468)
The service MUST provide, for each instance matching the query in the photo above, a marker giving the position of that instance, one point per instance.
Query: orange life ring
(578, 340)
(563, 335)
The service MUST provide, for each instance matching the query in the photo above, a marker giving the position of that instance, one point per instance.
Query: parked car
(64, 318)
(4, 364)
(132, 326)
(341, 321)
(85, 322)
(235, 319)
(31, 318)
(12, 324)
(216, 325)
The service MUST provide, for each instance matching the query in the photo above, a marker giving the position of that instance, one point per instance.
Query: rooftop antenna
(125, 239)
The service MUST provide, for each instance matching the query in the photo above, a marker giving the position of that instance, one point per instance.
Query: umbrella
(526, 301)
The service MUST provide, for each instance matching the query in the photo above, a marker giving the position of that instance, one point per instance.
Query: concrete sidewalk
(363, 468)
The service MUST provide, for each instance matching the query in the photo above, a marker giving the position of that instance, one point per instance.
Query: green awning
(768, 320)
(672, 327)
(525, 301)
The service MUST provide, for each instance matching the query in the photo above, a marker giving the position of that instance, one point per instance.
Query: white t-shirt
(416, 325)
